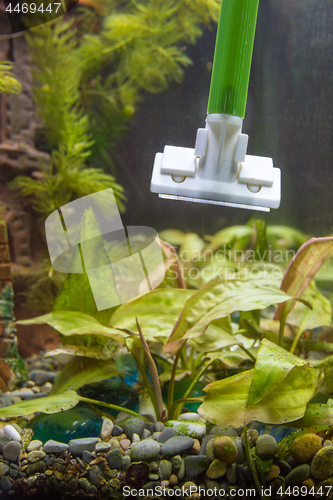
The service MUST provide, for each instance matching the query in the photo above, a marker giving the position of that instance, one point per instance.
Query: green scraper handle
(233, 55)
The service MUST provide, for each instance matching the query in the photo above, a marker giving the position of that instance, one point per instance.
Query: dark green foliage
(88, 86)
(57, 93)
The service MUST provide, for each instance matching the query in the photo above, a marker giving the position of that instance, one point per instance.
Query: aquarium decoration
(218, 170)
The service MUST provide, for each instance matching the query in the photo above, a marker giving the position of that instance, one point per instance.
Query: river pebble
(266, 446)
(95, 475)
(12, 433)
(195, 465)
(52, 446)
(36, 467)
(166, 434)
(33, 456)
(298, 475)
(11, 451)
(35, 444)
(189, 416)
(41, 377)
(132, 425)
(193, 429)
(164, 469)
(146, 450)
(305, 447)
(322, 463)
(3, 469)
(78, 446)
(225, 450)
(177, 445)
(5, 484)
(102, 447)
(107, 428)
(216, 470)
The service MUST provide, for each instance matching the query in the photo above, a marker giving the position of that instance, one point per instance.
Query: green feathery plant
(66, 125)
(89, 85)
(140, 48)
(8, 83)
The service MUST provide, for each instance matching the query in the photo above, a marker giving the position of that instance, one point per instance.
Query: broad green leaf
(76, 293)
(156, 311)
(225, 402)
(304, 318)
(272, 366)
(172, 236)
(226, 236)
(48, 404)
(91, 346)
(218, 300)
(232, 359)
(261, 250)
(191, 247)
(315, 415)
(212, 268)
(307, 261)
(263, 274)
(69, 323)
(80, 371)
(284, 237)
(217, 336)
(324, 277)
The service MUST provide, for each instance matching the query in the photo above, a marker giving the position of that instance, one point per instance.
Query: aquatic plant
(58, 100)
(228, 324)
(8, 83)
(83, 103)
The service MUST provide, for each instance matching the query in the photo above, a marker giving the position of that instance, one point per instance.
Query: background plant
(91, 71)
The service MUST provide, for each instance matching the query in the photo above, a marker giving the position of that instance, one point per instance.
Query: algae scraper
(218, 170)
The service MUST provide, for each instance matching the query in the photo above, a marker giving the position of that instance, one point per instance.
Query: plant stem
(198, 361)
(188, 392)
(182, 400)
(251, 464)
(153, 373)
(190, 361)
(248, 353)
(113, 407)
(283, 321)
(172, 381)
(183, 359)
(146, 381)
(295, 341)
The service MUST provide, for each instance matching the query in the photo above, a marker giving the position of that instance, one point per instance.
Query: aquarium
(166, 236)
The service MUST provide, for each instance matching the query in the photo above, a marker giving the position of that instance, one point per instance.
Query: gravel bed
(132, 458)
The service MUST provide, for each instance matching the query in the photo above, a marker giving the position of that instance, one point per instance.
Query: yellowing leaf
(48, 404)
(226, 400)
(303, 267)
(218, 300)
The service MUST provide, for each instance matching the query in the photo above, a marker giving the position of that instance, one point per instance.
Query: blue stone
(79, 422)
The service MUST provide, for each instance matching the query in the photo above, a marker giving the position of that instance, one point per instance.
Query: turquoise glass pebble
(79, 422)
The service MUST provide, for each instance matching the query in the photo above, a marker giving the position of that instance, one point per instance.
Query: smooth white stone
(12, 433)
(189, 416)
